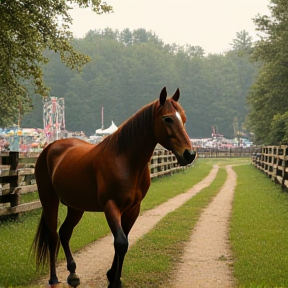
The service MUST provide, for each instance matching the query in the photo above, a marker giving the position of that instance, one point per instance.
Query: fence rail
(17, 177)
(226, 153)
(273, 161)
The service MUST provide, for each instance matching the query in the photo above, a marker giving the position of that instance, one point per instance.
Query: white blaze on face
(179, 117)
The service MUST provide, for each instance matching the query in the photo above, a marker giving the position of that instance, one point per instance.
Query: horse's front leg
(113, 217)
(122, 226)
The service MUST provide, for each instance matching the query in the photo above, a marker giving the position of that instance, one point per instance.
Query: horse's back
(55, 151)
(52, 155)
(62, 146)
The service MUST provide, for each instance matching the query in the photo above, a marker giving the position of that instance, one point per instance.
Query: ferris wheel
(53, 117)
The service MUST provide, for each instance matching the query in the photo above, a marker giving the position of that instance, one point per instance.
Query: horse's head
(169, 127)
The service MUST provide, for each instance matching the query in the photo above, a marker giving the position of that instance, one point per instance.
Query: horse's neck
(136, 138)
(143, 146)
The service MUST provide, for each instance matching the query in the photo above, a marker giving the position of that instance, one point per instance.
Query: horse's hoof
(73, 280)
(110, 275)
(115, 285)
(54, 285)
(53, 281)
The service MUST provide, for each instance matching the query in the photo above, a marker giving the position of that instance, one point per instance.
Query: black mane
(133, 130)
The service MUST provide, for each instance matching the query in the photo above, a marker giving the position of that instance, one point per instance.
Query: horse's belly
(78, 204)
(80, 197)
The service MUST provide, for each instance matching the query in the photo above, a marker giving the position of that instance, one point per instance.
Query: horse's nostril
(189, 155)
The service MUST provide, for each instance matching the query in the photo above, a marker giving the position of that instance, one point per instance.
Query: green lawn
(259, 230)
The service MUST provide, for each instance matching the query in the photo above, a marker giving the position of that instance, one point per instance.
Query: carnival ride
(214, 134)
(54, 118)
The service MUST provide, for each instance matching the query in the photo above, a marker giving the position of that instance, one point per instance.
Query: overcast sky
(211, 24)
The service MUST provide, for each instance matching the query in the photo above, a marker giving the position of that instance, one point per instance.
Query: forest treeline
(128, 69)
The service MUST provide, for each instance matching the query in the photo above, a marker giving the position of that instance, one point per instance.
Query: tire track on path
(206, 260)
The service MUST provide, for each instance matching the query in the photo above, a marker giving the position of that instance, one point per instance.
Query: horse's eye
(168, 119)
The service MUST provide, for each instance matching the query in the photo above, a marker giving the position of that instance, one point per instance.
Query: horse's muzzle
(189, 156)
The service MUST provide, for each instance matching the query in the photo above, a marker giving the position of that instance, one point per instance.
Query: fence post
(14, 196)
(284, 165)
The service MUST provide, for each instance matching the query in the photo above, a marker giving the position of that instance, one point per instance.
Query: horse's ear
(163, 96)
(176, 95)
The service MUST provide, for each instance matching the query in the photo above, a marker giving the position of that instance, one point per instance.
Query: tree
(27, 29)
(269, 95)
(194, 51)
(125, 75)
(279, 129)
(126, 37)
(242, 42)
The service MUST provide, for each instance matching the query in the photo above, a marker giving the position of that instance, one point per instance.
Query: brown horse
(111, 177)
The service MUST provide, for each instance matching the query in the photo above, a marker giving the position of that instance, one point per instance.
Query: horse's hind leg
(72, 219)
(47, 236)
(53, 249)
(48, 225)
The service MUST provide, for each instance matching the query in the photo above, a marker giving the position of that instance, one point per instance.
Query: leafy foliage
(243, 41)
(268, 98)
(128, 69)
(27, 28)
(279, 129)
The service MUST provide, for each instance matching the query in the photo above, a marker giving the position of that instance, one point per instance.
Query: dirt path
(206, 258)
(95, 259)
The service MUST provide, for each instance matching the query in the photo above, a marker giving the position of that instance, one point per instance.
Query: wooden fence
(17, 177)
(273, 161)
(163, 162)
(236, 152)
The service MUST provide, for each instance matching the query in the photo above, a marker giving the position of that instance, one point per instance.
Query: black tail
(40, 245)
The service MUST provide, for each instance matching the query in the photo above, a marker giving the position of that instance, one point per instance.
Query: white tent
(99, 131)
(107, 131)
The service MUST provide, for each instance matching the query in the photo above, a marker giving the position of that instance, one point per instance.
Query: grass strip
(16, 237)
(164, 188)
(150, 262)
(259, 229)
